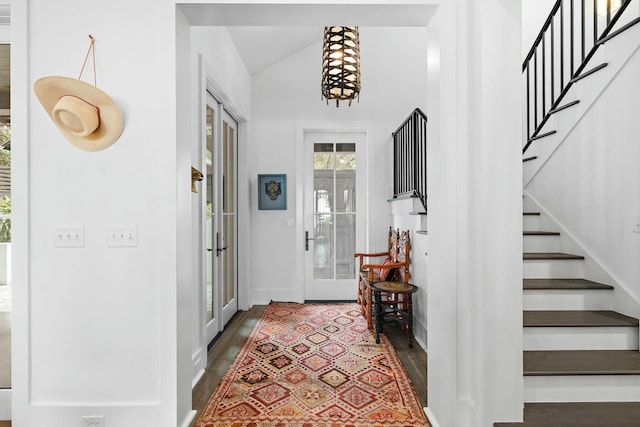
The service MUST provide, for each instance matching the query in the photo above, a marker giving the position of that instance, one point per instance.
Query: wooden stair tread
(531, 213)
(540, 233)
(559, 284)
(549, 255)
(576, 318)
(575, 414)
(581, 362)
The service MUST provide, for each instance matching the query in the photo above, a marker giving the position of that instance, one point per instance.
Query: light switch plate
(93, 421)
(122, 236)
(69, 237)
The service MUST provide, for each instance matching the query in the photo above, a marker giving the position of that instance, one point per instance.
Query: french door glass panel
(228, 251)
(209, 215)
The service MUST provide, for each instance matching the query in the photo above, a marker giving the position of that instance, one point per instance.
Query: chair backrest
(400, 251)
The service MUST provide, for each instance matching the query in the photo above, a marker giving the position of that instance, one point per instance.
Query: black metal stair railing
(410, 157)
(571, 35)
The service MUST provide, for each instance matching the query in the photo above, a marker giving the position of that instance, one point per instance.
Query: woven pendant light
(341, 64)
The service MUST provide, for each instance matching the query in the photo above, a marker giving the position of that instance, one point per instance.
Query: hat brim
(50, 89)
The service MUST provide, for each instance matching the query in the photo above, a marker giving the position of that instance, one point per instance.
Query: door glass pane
(229, 258)
(323, 246)
(5, 208)
(345, 246)
(334, 186)
(345, 178)
(323, 177)
(229, 169)
(229, 218)
(210, 217)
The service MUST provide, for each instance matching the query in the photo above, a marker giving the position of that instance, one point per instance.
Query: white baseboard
(189, 419)
(431, 418)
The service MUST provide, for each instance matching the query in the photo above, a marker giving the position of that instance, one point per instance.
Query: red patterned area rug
(314, 365)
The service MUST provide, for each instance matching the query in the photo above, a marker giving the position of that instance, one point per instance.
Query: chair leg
(361, 298)
(368, 307)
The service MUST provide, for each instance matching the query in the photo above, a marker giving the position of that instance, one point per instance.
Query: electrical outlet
(122, 236)
(93, 421)
(69, 237)
(636, 224)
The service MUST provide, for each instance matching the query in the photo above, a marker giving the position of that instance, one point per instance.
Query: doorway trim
(207, 83)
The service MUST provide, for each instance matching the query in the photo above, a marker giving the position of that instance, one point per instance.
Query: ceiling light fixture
(341, 64)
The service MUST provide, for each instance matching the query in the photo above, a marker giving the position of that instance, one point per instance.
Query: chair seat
(365, 295)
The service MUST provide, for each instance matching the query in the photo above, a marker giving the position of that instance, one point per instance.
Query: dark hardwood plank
(413, 359)
(582, 362)
(579, 414)
(540, 233)
(222, 354)
(563, 284)
(549, 255)
(582, 318)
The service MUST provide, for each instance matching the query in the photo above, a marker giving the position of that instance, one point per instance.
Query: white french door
(221, 287)
(334, 202)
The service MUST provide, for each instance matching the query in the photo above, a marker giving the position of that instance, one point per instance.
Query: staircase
(561, 87)
(581, 361)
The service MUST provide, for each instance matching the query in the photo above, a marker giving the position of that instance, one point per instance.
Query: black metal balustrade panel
(410, 157)
(560, 54)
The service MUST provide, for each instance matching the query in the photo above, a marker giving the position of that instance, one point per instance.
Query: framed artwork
(272, 192)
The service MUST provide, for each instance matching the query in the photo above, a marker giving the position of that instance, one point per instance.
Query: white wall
(286, 98)
(474, 274)
(96, 327)
(589, 184)
(534, 14)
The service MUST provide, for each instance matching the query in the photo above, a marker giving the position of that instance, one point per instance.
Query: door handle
(209, 249)
(306, 240)
(218, 248)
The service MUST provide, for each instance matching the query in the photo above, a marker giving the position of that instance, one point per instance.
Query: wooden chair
(369, 272)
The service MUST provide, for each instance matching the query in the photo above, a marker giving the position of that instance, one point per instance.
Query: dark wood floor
(225, 349)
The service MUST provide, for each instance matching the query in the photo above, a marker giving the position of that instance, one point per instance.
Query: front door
(221, 224)
(333, 205)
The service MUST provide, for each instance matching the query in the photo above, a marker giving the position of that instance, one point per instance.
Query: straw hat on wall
(85, 115)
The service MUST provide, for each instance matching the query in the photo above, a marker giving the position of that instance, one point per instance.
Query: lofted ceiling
(261, 47)
(265, 34)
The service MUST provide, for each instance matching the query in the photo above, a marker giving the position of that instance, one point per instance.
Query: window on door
(334, 188)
